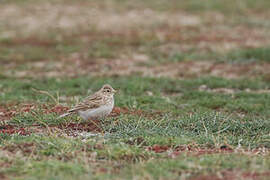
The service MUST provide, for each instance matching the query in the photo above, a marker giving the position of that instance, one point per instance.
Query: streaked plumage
(100, 104)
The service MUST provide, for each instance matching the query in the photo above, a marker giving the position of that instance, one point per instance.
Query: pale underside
(99, 112)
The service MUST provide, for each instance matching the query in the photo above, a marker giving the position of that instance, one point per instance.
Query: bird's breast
(101, 111)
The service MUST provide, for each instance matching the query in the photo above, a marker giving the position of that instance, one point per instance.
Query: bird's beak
(114, 91)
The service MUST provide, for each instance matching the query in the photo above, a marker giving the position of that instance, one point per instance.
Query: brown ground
(89, 22)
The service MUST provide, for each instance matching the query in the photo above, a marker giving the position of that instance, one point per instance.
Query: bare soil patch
(2, 175)
(6, 114)
(195, 150)
(72, 129)
(9, 129)
(176, 32)
(188, 69)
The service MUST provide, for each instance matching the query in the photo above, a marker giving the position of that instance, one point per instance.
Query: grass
(204, 124)
(127, 137)
(249, 55)
(180, 167)
(133, 95)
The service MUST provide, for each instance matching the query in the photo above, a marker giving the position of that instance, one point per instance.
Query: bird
(95, 106)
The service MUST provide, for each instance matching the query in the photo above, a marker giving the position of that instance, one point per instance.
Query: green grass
(206, 164)
(65, 158)
(203, 128)
(186, 116)
(248, 55)
(133, 94)
(174, 128)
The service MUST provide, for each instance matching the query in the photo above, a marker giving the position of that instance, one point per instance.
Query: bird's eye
(108, 90)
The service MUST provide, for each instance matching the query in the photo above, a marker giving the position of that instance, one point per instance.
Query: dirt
(9, 129)
(9, 111)
(176, 150)
(2, 175)
(117, 111)
(71, 129)
(195, 150)
(58, 109)
(6, 114)
(178, 31)
(255, 175)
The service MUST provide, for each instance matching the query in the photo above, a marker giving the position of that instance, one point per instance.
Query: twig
(206, 131)
(46, 125)
(48, 94)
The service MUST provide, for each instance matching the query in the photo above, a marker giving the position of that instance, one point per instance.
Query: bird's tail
(64, 115)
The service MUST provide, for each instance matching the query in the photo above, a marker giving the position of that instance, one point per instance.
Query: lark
(98, 105)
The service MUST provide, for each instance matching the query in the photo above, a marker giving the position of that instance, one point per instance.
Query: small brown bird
(98, 105)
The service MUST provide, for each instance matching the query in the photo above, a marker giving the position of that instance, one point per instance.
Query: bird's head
(107, 90)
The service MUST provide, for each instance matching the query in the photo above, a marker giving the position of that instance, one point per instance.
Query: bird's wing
(89, 102)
